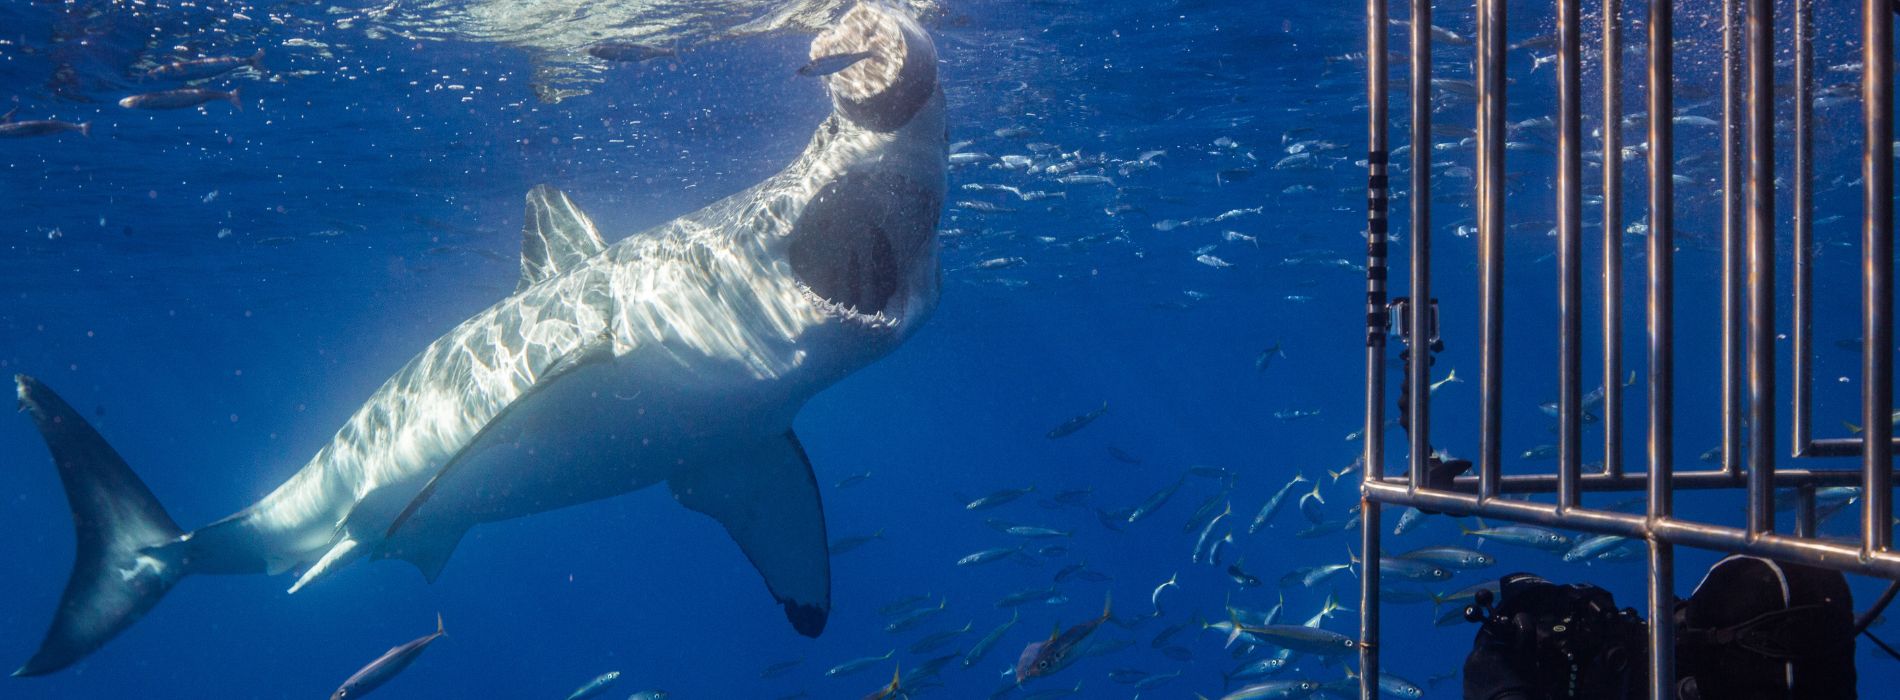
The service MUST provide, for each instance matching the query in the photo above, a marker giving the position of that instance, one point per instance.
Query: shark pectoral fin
(556, 237)
(428, 550)
(768, 501)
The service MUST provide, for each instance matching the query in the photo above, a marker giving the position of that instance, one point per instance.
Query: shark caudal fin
(122, 568)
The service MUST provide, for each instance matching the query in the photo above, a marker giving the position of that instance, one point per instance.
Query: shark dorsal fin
(556, 237)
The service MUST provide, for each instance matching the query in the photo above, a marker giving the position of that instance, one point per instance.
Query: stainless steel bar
(1612, 237)
(1661, 257)
(1681, 480)
(1418, 401)
(1803, 227)
(1761, 267)
(1843, 555)
(1569, 253)
(1369, 534)
(1876, 397)
(1491, 245)
(1733, 225)
(1378, 201)
(1661, 322)
(1804, 511)
(1842, 447)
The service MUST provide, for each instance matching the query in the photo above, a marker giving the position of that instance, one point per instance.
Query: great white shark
(678, 355)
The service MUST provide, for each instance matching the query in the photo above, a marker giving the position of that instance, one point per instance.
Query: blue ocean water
(218, 289)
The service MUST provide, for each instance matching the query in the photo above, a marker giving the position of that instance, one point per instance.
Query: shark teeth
(877, 320)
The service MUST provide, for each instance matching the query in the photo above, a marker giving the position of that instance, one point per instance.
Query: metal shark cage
(1747, 292)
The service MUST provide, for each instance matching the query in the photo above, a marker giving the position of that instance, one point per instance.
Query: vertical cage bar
(1661, 321)
(1803, 221)
(1378, 200)
(1761, 266)
(1490, 244)
(1876, 90)
(1804, 525)
(1732, 230)
(1612, 237)
(1662, 606)
(1418, 400)
(1569, 255)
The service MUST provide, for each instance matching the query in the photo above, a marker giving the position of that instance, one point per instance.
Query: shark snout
(883, 91)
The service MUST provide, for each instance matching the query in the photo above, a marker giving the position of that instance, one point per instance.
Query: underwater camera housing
(1755, 629)
(1545, 640)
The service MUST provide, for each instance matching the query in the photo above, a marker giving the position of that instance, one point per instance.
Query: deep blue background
(369, 206)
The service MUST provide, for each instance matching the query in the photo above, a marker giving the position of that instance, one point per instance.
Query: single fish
(1273, 504)
(1036, 531)
(1240, 576)
(938, 639)
(1274, 690)
(1412, 569)
(903, 605)
(42, 127)
(649, 695)
(386, 667)
(988, 555)
(1265, 358)
(1059, 650)
(983, 646)
(1258, 668)
(1156, 501)
(1451, 557)
(594, 687)
(826, 65)
(1522, 536)
(1203, 546)
(852, 480)
(1408, 520)
(1072, 425)
(1121, 456)
(200, 68)
(891, 690)
(846, 544)
(855, 665)
(1155, 681)
(1466, 594)
(916, 617)
(1317, 575)
(1027, 596)
(998, 498)
(38, 127)
(629, 52)
(1155, 597)
(179, 99)
(1208, 510)
(1311, 504)
(1299, 638)
(1449, 379)
(1591, 547)
(779, 669)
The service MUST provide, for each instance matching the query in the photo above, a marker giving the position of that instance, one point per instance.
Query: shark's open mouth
(852, 272)
(853, 249)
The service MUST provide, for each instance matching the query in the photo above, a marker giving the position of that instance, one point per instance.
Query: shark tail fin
(126, 559)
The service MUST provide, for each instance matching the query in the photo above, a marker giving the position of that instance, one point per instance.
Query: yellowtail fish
(1058, 651)
(386, 667)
